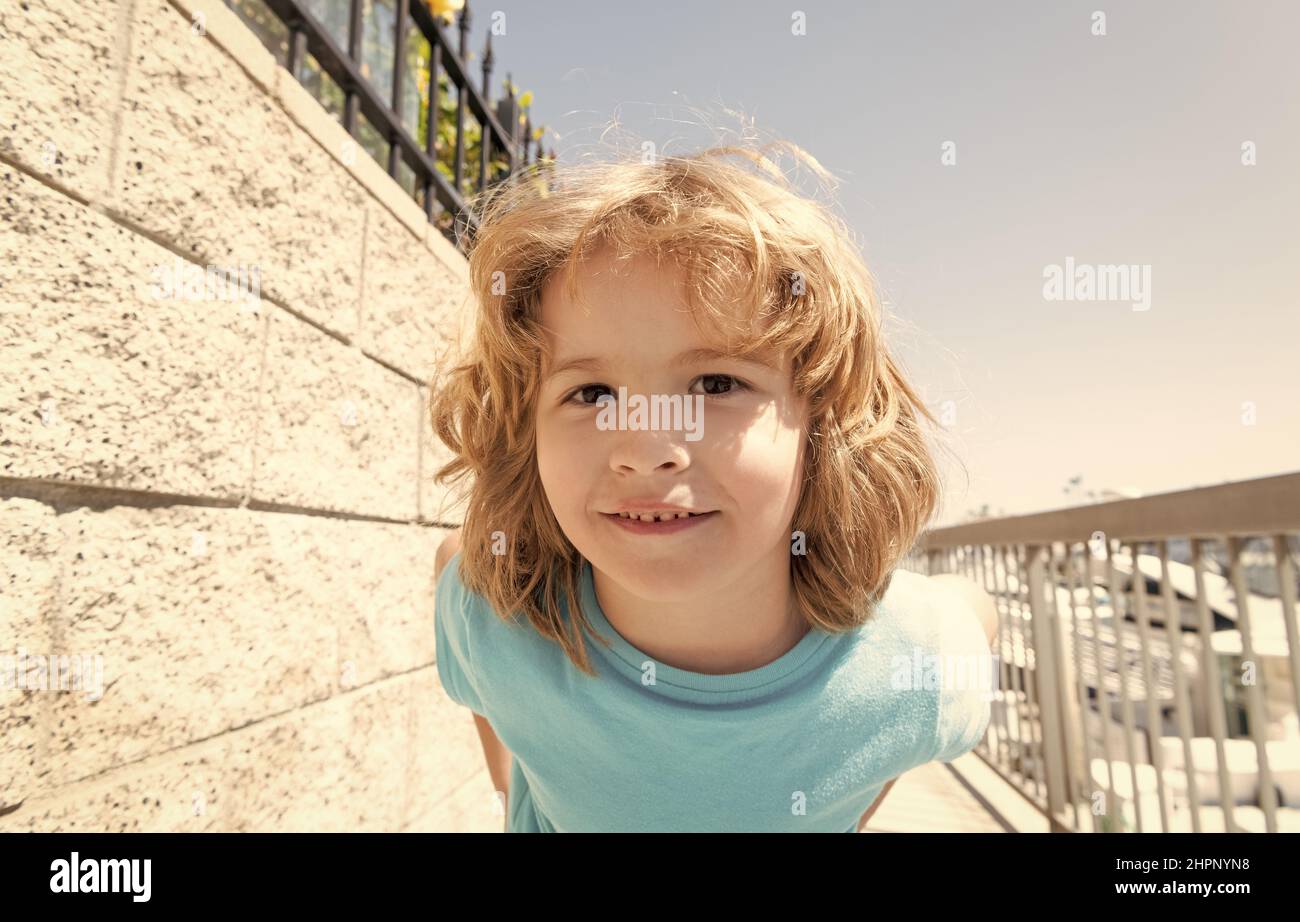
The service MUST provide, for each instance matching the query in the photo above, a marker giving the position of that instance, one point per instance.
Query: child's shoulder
(474, 647)
(463, 605)
(911, 604)
(448, 549)
(919, 614)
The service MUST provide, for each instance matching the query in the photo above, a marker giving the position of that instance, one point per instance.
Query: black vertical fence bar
(354, 52)
(431, 139)
(485, 136)
(297, 45)
(459, 171)
(399, 79)
(382, 106)
(512, 142)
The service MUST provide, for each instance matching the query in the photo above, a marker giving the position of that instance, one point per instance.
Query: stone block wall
(225, 504)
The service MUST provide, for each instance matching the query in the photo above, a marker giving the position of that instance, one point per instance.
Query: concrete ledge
(1001, 798)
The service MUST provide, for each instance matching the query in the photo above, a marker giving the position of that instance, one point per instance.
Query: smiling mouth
(663, 517)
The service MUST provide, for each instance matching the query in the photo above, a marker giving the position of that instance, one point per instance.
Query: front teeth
(647, 517)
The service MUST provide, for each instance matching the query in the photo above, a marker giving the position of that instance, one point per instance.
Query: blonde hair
(870, 482)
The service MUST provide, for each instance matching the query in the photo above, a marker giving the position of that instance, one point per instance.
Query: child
(756, 663)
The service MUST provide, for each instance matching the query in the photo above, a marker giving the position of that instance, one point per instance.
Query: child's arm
(495, 753)
(982, 605)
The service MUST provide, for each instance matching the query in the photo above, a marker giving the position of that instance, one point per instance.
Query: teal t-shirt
(802, 744)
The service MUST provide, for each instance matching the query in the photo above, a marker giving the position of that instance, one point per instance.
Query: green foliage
(445, 145)
(1110, 823)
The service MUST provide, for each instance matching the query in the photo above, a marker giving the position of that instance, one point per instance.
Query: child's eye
(582, 390)
(734, 385)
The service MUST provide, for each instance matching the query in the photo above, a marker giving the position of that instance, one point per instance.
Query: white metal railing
(1109, 721)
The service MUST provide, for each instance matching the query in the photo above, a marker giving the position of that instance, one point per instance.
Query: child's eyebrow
(689, 357)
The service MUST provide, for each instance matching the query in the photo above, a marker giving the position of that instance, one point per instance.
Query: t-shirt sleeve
(967, 676)
(453, 653)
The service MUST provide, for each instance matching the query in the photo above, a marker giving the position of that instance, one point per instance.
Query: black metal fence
(384, 69)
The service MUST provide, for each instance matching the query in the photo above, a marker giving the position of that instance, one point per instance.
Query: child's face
(747, 464)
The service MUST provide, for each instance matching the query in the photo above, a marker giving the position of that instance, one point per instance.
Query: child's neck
(742, 626)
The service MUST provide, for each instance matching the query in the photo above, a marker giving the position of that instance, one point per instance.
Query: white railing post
(1048, 654)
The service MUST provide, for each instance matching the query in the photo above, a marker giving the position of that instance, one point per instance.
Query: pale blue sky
(1123, 148)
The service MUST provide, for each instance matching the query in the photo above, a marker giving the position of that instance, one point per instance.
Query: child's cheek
(764, 473)
(568, 464)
